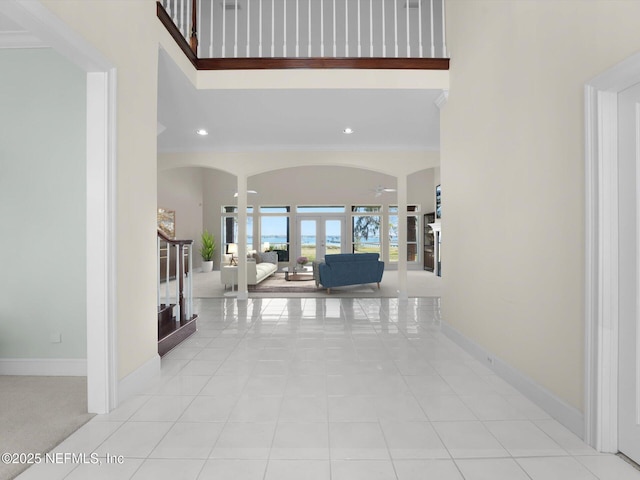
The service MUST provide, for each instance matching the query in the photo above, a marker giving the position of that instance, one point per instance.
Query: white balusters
(433, 33)
(384, 31)
(273, 28)
(158, 284)
(420, 51)
(177, 307)
(189, 280)
(235, 31)
(199, 29)
(395, 23)
(406, 8)
(182, 22)
(224, 30)
(210, 32)
(371, 28)
(342, 29)
(166, 277)
(359, 41)
(322, 28)
(248, 54)
(260, 31)
(444, 27)
(297, 28)
(309, 50)
(335, 50)
(346, 28)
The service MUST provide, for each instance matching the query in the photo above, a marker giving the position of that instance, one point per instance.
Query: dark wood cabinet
(428, 242)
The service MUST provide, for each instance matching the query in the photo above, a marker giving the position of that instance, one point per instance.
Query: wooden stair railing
(176, 320)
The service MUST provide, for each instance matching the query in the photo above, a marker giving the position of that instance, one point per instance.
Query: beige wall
(512, 136)
(181, 190)
(127, 34)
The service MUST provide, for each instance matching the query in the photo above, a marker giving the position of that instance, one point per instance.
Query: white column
(242, 237)
(402, 237)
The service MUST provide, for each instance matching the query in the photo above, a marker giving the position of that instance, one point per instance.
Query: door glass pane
(333, 236)
(308, 240)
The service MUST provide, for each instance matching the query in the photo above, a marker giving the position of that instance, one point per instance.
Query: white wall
(512, 136)
(42, 205)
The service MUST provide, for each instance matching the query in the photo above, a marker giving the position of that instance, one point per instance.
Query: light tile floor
(337, 388)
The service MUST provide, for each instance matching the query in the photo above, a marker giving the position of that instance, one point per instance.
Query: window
(230, 227)
(412, 234)
(316, 209)
(274, 231)
(366, 229)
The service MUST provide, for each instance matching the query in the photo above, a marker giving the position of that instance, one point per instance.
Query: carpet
(38, 413)
(277, 284)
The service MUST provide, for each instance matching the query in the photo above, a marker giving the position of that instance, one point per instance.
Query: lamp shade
(232, 248)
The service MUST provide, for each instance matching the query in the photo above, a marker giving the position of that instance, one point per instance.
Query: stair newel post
(193, 43)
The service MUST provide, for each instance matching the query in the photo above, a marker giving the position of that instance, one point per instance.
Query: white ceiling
(284, 119)
(244, 120)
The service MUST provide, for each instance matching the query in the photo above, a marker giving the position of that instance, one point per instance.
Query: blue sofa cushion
(350, 269)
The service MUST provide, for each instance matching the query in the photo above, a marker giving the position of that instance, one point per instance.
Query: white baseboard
(138, 380)
(557, 408)
(48, 367)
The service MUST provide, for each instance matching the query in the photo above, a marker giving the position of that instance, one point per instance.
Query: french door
(319, 235)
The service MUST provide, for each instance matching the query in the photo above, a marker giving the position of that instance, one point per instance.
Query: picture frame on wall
(438, 202)
(167, 222)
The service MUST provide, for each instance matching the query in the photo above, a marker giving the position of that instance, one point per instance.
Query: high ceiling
(279, 119)
(292, 119)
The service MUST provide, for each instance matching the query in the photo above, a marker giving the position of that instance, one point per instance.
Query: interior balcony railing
(254, 34)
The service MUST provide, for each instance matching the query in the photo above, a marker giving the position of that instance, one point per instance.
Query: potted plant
(207, 250)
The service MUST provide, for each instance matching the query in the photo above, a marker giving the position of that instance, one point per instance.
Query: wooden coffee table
(303, 274)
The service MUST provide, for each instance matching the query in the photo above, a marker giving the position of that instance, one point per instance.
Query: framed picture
(438, 202)
(167, 222)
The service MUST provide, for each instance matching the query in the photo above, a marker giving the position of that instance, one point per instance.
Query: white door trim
(101, 207)
(601, 250)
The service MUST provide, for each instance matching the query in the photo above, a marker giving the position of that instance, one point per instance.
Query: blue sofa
(349, 269)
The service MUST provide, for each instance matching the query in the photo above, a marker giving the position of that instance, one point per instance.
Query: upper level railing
(327, 31)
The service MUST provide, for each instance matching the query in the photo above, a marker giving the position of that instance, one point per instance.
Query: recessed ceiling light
(202, 132)
(348, 131)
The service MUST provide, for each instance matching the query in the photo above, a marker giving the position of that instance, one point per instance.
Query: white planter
(207, 266)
